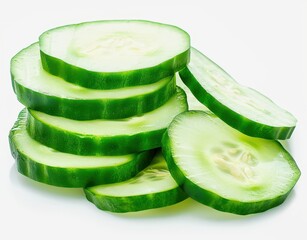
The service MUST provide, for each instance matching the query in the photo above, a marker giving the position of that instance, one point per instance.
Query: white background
(260, 43)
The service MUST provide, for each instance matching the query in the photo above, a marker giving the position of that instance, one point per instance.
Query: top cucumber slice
(225, 169)
(153, 187)
(241, 107)
(114, 54)
(41, 91)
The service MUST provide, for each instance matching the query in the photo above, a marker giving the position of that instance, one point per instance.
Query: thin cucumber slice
(241, 107)
(193, 103)
(153, 187)
(44, 164)
(225, 169)
(106, 137)
(39, 90)
(114, 54)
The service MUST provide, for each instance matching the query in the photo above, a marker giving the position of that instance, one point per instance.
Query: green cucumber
(114, 54)
(106, 137)
(41, 91)
(225, 169)
(241, 107)
(193, 103)
(46, 165)
(151, 188)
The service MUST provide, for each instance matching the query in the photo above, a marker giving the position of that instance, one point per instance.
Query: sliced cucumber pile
(225, 169)
(153, 187)
(106, 137)
(241, 107)
(105, 107)
(39, 90)
(114, 54)
(46, 165)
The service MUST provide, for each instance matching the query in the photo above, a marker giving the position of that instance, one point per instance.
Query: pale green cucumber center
(29, 73)
(153, 179)
(222, 160)
(113, 46)
(241, 99)
(157, 119)
(50, 157)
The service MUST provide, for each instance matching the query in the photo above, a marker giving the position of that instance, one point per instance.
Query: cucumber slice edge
(112, 80)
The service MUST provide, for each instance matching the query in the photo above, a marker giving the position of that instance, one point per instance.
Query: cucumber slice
(106, 137)
(114, 54)
(39, 90)
(225, 169)
(241, 107)
(44, 164)
(193, 103)
(153, 187)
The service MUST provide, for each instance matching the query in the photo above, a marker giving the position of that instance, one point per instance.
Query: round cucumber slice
(106, 137)
(39, 90)
(114, 54)
(44, 164)
(151, 188)
(225, 169)
(241, 107)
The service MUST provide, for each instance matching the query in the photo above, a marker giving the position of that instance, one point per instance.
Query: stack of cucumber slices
(104, 112)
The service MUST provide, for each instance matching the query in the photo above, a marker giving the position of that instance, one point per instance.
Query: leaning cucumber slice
(153, 187)
(225, 169)
(44, 164)
(106, 137)
(114, 54)
(39, 90)
(241, 107)
(193, 103)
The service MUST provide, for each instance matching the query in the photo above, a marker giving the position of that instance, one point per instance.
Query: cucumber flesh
(39, 90)
(114, 54)
(44, 164)
(106, 137)
(241, 107)
(151, 188)
(225, 169)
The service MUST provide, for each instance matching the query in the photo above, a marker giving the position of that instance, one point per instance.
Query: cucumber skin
(88, 145)
(210, 198)
(68, 142)
(232, 118)
(75, 177)
(113, 80)
(79, 109)
(136, 203)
